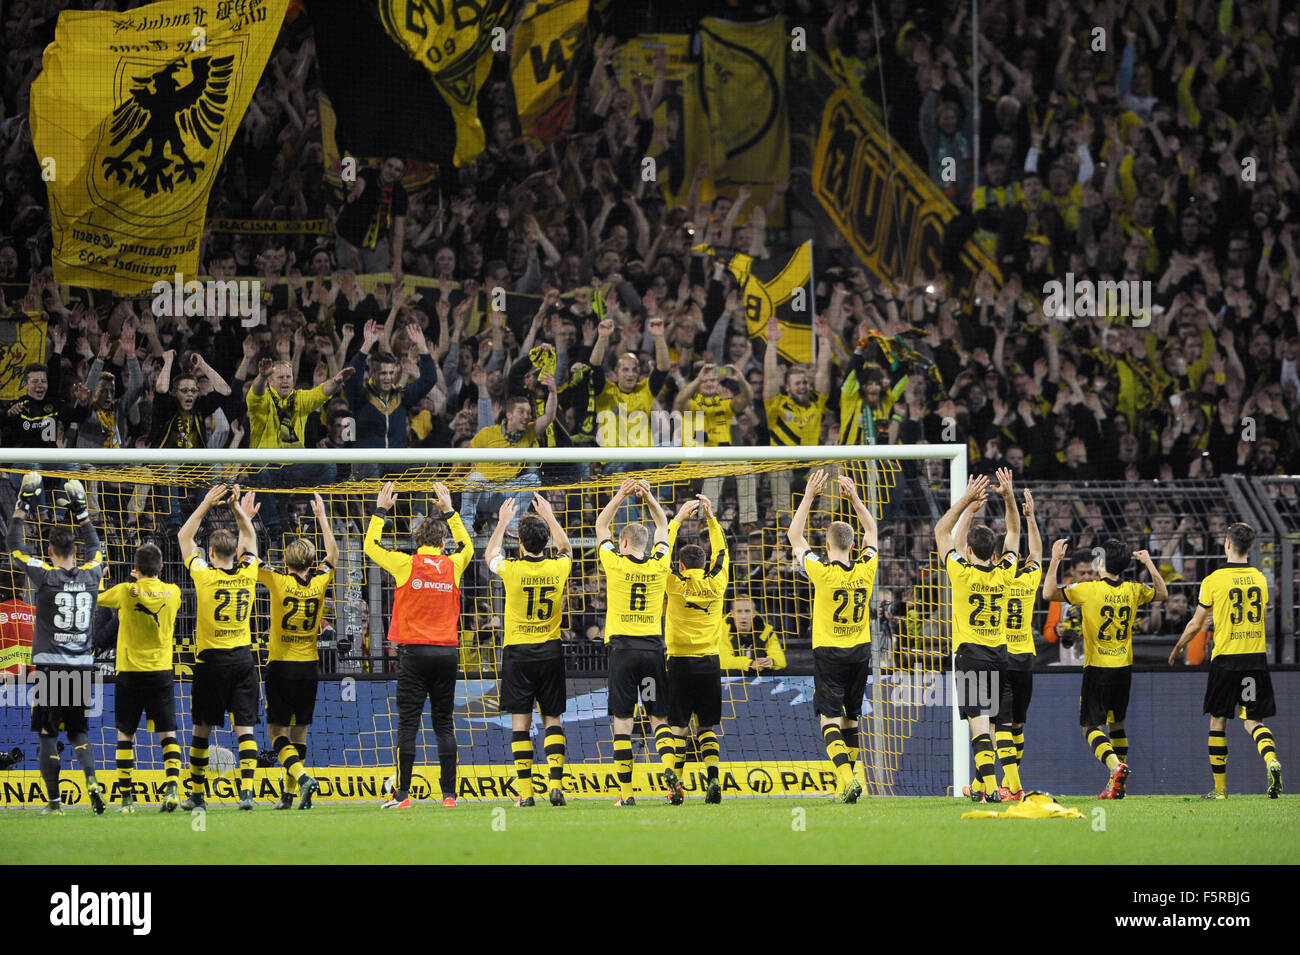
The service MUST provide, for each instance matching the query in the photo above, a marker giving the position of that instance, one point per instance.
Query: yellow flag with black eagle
(550, 47)
(777, 287)
(131, 117)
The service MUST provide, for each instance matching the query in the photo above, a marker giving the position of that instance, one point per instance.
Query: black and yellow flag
(777, 287)
(131, 117)
(454, 41)
(550, 48)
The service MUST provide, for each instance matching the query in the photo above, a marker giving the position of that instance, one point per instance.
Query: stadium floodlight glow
(875, 467)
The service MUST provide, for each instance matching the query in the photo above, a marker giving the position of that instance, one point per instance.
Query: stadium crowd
(1163, 158)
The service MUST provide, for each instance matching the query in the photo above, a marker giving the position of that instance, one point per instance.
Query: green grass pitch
(1140, 829)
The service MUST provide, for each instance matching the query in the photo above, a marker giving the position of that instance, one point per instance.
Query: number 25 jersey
(978, 602)
(1110, 609)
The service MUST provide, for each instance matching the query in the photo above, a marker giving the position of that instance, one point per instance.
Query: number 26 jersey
(225, 603)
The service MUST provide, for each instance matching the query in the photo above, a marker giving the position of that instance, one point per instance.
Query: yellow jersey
(534, 596)
(1238, 596)
(739, 648)
(1109, 609)
(276, 422)
(693, 624)
(714, 414)
(496, 437)
(633, 407)
(146, 623)
(225, 603)
(978, 602)
(1022, 591)
(296, 611)
(841, 610)
(790, 423)
(634, 593)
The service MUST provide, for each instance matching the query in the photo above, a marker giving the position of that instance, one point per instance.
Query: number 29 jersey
(296, 605)
(1110, 610)
(841, 610)
(225, 603)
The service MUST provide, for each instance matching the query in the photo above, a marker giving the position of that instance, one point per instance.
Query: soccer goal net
(769, 736)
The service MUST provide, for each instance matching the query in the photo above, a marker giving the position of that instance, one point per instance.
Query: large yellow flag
(455, 42)
(780, 287)
(131, 117)
(550, 46)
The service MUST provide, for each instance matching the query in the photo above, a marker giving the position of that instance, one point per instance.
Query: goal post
(137, 495)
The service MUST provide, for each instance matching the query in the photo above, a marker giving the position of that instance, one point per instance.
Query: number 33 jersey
(1238, 596)
(841, 612)
(1110, 610)
(296, 605)
(225, 603)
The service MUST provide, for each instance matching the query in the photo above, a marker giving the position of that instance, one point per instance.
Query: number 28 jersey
(296, 605)
(1110, 609)
(634, 595)
(841, 611)
(225, 603)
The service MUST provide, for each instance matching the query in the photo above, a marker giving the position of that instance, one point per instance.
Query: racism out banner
(131, 118)
(271, 226)
(550, 49)
(22, 341)
(454, 42)
(742, 97)
(890, 211)
(589, 780)
(775, 286)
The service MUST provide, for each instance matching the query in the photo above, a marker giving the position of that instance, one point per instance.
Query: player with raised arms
(426, 629)
(63, 656)
(635, 585)
(1236, 595)
(695, 632)
(841, 625)
(1110, 609)
(146, 626)
(979, 589)
(225, 674)
(532, 656)
(297, 600)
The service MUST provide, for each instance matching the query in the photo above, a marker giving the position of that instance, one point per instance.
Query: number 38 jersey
(1110, 609)
(841, 611)
(634, 595)
(534, 596)
(978, 602)
(225, 603)
(296, 604)
(1238, 596)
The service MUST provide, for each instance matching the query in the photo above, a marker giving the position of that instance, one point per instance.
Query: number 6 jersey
(841, 611)
(1110, 610)
(634, 595)
(225, 603)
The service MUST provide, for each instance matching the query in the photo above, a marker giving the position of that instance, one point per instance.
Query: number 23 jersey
(841, 611)
(225, 603)
(1110, 610)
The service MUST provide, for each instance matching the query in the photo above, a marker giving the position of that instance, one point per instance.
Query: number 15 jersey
(1110, 609)
(225, 603)
(841, 610)
(634, 595)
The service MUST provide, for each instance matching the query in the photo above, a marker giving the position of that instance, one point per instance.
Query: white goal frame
(955, 454)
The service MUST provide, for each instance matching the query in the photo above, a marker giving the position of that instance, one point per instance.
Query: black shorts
(425, 674)
(62, 700)
(840, 677)
(150, 693)
(1247, 694)
(1103, 697)
(694, 688)
(533, 674)
(1017, 687)
(290, 692)
(225, 681)
(979, 680)
(637, 674)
